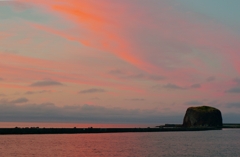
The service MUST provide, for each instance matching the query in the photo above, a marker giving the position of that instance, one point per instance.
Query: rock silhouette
(202, 116)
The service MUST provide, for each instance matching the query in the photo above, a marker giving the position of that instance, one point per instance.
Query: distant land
(201, 118)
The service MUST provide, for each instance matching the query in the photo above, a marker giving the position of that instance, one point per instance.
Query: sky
(111, 61)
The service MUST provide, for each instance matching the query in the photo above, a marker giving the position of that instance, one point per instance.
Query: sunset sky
(118, 61)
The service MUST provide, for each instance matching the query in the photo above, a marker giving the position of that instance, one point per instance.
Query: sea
(219, 143)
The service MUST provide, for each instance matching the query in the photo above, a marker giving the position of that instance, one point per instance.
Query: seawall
(11, 131)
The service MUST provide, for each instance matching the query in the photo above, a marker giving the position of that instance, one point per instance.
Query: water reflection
(199, 143)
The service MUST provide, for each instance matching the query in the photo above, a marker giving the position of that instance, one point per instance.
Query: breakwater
(9, 131)
(231, 125)
(89, 130)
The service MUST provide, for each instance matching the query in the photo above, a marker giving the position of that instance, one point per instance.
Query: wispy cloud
(197, 85)
(15, 101)
(237, 80)
(233, 90)
(211, 78)
(138, 76)
(19, 100)
(37, 92)
(156, 77)
(173, 86)
(1, 95)
(117, 72)
(46, 83)
(136, 99)
(95, 98)
(92, 90)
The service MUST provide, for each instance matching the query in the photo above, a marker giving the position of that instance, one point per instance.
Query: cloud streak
(234, 90)
(37, 92)
(19, 100)
(209, 79)
(46, 83)
(15, 101)
(197, 85)
(136, 99)
(92, 90)
(237, 80)
(173, 86)
(137, 76)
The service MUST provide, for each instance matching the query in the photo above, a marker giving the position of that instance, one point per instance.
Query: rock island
(203, 116)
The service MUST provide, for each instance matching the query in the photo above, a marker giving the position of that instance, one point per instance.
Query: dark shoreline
(162, 128)
(12, 131)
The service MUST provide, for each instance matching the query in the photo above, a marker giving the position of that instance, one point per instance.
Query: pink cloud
(99, 35)
(33, 69)
(109, 27)
(165, 41)
(4, 35)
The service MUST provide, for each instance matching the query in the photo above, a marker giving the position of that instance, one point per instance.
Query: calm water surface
(203, 143)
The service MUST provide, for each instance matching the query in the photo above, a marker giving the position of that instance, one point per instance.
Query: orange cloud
(102, 31)
(4, 35)
(113, 28)
(33, 69)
